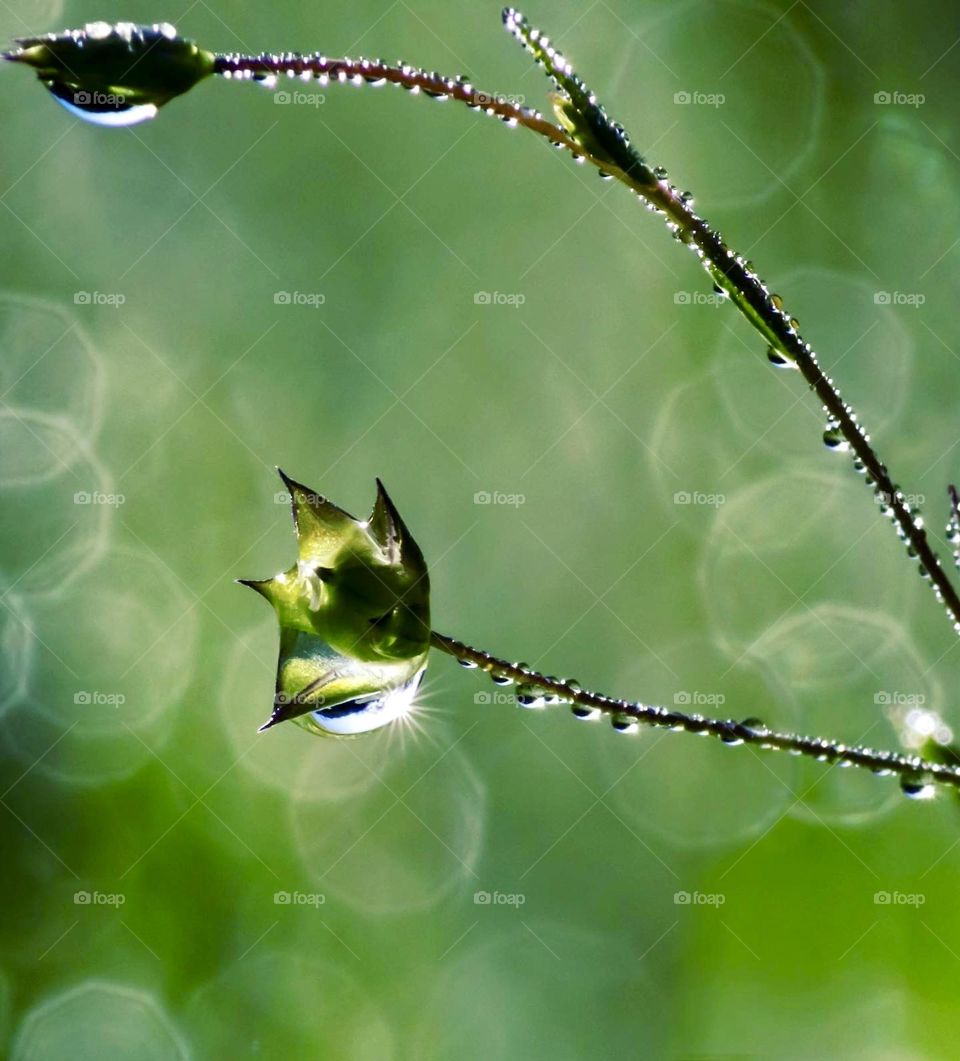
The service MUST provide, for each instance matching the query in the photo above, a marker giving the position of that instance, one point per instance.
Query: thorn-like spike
(386, 526)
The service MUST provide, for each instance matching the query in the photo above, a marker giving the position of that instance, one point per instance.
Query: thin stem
(916, 774)
(588, 134)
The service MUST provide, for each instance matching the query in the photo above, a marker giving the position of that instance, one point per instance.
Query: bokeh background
(662, 522)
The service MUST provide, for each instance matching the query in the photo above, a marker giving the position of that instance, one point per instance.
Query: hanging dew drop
(777, 359)
(917, 786)
(588, 714)
(833, 438)
(103, 108)
(467, 664)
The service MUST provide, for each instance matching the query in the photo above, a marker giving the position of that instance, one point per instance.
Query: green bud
(115, 74)
(354, 614)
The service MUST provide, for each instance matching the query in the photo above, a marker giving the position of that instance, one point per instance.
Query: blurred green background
(175, 885)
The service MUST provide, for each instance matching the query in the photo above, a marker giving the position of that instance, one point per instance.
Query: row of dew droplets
(916, 781)
(582, 101)
(267, 69)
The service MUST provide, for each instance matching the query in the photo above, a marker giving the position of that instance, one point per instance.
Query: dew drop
(917, 786)
(467, 664)
(777, 302)
(529, 696)
(588, 714)
(833, 438)
(660, 173)
(101, 108)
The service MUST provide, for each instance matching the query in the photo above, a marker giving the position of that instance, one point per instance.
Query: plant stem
(915, 773)
(588, 134)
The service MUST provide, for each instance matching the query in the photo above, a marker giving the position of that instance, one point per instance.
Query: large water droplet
(101, 108)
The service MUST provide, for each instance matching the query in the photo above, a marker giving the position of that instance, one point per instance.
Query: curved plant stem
(916, 774)
(588, 134)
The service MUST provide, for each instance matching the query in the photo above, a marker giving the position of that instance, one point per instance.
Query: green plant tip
(354, 615)
(114, 74)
